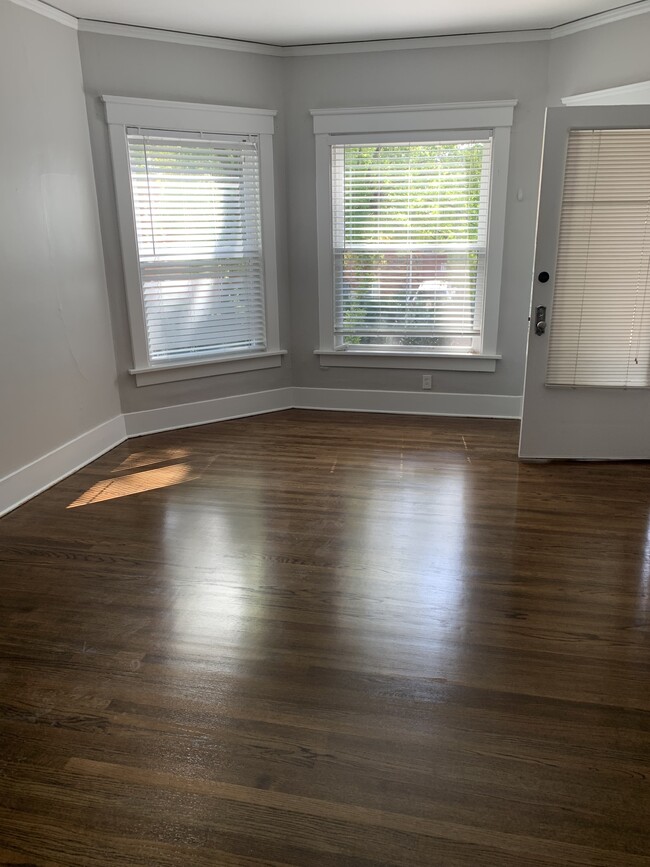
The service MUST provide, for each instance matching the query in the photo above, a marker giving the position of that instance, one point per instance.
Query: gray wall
(124, 66)
(57, 359)
(57, 368)
(134, 67)
(453, 74)
(535, 73)
(602, 57)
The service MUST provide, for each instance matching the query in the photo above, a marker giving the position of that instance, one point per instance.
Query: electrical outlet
(426, 381)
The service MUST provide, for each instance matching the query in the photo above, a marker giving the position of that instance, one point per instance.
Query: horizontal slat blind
(197, 215)
(410, 225)
(600, 325)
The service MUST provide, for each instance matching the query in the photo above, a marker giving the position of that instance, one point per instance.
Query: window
(411, 234)
(410, 242)
(197, 220)
(600, 334)
(195, 201)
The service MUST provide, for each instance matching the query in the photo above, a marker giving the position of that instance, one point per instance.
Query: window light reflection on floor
(137, 483)
(151, 457)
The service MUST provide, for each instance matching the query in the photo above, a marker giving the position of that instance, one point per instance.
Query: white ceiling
(293, 22)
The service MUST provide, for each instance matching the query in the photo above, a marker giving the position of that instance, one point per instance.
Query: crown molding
(630, 10)
(48, 12)
(400, 44)
(108, 29)
(599, 19)
(415, 42)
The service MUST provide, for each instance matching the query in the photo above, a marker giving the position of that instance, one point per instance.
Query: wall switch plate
(426, 381)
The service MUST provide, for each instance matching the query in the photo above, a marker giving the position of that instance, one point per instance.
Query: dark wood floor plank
(328, 639)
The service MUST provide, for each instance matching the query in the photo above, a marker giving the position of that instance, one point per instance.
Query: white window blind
(196, 203)
(600, 325)
(409, 226)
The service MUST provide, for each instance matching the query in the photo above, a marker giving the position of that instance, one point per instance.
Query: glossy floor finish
(328, 639)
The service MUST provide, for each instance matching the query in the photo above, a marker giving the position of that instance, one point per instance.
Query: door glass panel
(600, 324)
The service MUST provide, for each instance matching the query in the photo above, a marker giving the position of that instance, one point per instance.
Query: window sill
(407, 360)
(158, 373)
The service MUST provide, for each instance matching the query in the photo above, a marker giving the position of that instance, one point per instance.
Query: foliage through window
(410, 229)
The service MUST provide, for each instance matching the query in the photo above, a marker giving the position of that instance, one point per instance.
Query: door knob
(540, 320)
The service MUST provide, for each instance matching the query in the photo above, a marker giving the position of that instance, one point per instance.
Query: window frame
(412, 123)
(124, 113)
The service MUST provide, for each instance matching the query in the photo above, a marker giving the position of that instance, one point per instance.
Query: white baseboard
(409, 402)
(206, 411)
(182, 415)
(33, 478)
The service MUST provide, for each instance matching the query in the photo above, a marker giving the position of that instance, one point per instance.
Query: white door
(586, 392)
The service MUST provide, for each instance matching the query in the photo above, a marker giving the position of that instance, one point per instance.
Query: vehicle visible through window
(410, 230)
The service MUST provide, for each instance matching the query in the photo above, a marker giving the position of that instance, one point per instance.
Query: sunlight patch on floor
(149, 457)
(136, 483)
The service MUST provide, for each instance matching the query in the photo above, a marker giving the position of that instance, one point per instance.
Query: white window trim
(628, 94)
(123, 112)
(412, 122)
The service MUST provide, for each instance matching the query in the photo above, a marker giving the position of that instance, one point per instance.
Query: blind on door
(196, 204)
(600, 325)
(410, 225)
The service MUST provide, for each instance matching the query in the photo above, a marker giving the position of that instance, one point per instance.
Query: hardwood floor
(328, 639)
